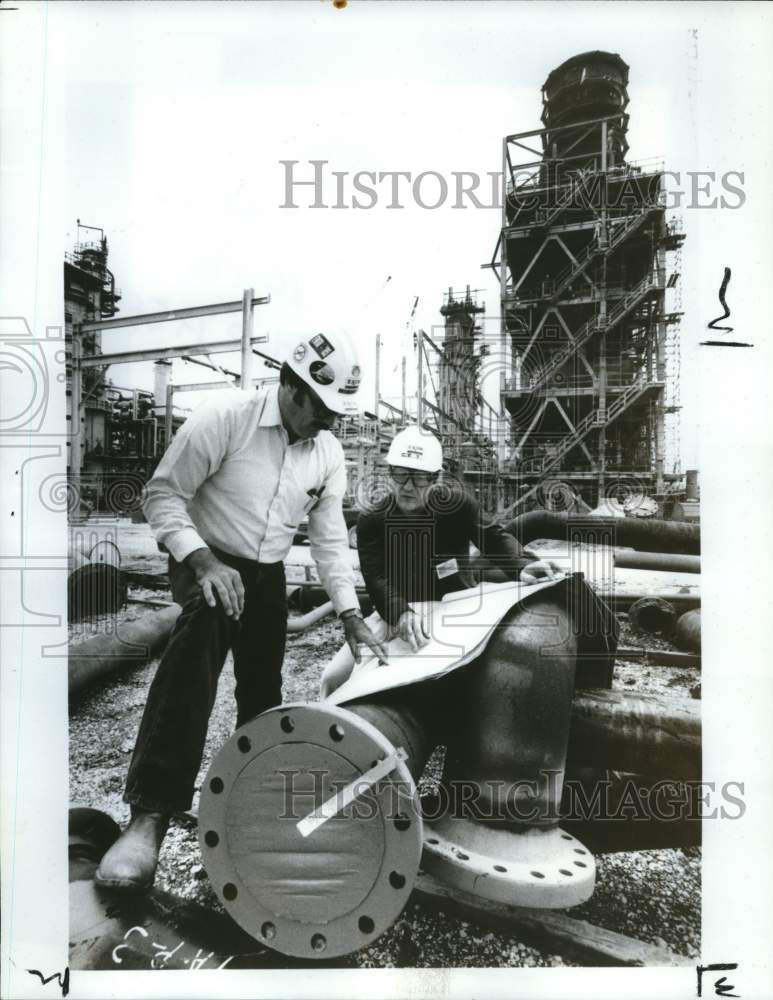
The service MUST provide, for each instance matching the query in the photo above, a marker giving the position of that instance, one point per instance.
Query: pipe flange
(549, 869)
(325, 888)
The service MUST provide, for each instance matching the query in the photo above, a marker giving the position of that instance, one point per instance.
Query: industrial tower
(581, 259)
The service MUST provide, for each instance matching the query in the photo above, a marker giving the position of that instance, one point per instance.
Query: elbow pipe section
(508, 757)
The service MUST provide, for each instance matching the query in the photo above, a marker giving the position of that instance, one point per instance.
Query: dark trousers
(170, 743)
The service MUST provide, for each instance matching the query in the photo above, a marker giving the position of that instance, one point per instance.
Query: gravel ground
(651, 895)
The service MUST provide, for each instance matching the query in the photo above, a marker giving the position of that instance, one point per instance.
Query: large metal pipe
(131, 646)
(631, 532)
(509, 743)
(668, 562)
(138, 642)
(652, 614)
(402, 718)
(687, 631)
(113, 931)
(613, 811)
(643, 733)
(299, 623)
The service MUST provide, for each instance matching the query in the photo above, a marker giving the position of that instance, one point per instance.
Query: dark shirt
(408, 557)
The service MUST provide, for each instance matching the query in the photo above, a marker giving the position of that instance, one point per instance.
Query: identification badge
(447, 568)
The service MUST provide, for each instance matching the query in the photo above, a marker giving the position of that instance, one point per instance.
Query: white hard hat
(328, 363)
(415, 448)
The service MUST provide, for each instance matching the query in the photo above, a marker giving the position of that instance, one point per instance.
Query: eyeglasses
(401, 476)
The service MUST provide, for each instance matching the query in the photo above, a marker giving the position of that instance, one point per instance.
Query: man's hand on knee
(217, 581)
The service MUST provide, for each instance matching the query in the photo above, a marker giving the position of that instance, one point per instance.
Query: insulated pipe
(632, 532)
(138, 642)
(669, 562)
(648, 734)
(652, 614)
(687, 631)
(133, 645)
(299, 623)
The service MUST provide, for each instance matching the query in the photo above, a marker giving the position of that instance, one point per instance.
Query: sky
(177, 120)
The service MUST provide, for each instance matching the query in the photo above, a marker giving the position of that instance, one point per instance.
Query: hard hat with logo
(328, 363)
(415, 448)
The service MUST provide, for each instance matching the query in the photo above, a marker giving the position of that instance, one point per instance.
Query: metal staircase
(596, 249)
(596, 418)
(650, 282)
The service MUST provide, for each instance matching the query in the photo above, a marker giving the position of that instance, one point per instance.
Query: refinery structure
(585, 358)
(582, 259)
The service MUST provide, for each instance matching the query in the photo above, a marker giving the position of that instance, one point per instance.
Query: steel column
(247, 316)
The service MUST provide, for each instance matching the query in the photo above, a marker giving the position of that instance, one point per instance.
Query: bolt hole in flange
(286, 724)
(580, 864)
(566, 836)
(211, 839)
(216, 785)
(402, 823)
(462, 856)
(366, 925)
(396, 880)
(244, 744)
(565, 871)
(577, 850)
(268, 931)
(537, 874)
(336, 733)
(432, 840)
(499, 868)
(230, 892)
(318, 942)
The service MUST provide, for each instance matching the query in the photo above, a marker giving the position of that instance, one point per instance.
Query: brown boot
(130, 864)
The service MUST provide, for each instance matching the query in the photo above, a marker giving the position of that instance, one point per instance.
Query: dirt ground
(651, 895)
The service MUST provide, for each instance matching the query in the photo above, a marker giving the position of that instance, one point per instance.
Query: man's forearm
(168, 517)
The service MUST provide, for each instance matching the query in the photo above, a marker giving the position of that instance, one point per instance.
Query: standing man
(225, 503)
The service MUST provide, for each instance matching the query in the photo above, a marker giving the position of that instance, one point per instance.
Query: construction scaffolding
(450, 369)
(117, 435)
(582, 264)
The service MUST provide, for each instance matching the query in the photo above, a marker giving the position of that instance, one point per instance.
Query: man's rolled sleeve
(329, 542)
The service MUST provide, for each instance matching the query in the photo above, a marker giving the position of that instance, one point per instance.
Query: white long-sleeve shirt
(231, 479)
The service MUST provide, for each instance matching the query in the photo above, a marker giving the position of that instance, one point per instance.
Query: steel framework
(581, 261)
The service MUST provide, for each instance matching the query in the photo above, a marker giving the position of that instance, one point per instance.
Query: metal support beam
(128, 357)
(420, 385)
(169, 416)
(206, 386)
(168, 315)
(246, 368)
(76, 407)
(403, 412)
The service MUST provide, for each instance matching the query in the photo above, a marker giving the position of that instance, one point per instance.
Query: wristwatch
(351, 613)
